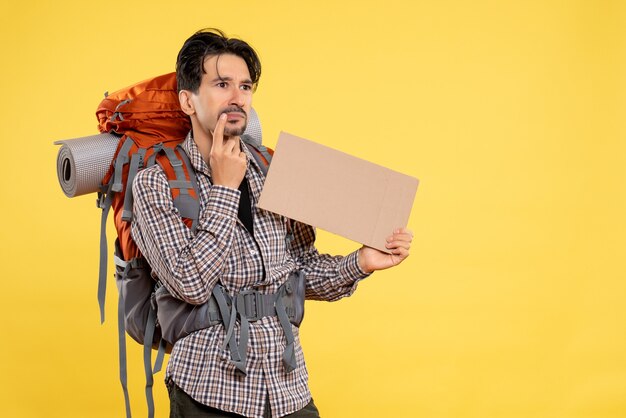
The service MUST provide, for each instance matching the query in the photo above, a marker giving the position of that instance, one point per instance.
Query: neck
(204, 142)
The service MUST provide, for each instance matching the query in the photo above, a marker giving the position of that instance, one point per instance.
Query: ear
(186, 103)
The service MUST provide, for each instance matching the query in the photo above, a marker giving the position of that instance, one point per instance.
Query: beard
(236, 131)
(232, 130)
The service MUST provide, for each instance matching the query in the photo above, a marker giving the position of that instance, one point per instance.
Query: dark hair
(206, 43)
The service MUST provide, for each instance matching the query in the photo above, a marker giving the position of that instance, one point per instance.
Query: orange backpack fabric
(149, 113)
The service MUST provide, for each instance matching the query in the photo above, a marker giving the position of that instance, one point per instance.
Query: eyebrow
(218, 78)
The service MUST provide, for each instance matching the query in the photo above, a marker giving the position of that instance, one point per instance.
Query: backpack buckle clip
(250, 304)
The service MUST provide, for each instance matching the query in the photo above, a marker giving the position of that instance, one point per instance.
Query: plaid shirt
(222, 250)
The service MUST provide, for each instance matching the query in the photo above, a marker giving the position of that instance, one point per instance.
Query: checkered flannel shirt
(222, 251)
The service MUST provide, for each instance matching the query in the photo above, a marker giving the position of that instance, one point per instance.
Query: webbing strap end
(127, 215)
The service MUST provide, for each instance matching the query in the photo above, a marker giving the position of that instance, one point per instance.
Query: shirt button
(253, 252)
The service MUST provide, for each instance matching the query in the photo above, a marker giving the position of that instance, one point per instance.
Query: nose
(237, 97)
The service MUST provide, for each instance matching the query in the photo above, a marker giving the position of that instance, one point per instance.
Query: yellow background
(511, 114)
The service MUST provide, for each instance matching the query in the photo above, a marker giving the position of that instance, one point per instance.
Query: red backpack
(148, 117)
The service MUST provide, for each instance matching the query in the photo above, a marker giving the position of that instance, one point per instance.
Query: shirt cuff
(222, 201)
(349, 267)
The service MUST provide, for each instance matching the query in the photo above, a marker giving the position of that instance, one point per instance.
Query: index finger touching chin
(218, 133)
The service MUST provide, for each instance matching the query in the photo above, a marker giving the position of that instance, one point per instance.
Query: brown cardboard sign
(337, 192)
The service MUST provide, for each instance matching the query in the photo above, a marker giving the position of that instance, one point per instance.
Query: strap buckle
(100, 200)
(250, 304)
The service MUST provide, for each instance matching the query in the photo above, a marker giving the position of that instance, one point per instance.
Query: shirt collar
(190, 147)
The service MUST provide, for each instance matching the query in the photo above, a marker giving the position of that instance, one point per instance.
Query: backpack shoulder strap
(136, 164)
(262, 155)
(183, 183)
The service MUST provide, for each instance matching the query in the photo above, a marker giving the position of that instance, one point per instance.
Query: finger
(403, 231)
(229, 146)
(401, 253)
(400, 237)
(398, 244)
(218, 133)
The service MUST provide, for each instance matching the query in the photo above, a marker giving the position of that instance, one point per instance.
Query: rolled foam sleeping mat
(83, 162)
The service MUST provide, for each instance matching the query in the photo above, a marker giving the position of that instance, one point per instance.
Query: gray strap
(158, 363)
(157, 148)
(187, 206)
(121, 331)
(122, 103)
(243, 344)
(218, 294)
(263, 150)
(117, 114)
(122, 158)
(244, 332)
(178, 184)
(147, 360)
(177, 165)
(115, 185)
(289, 355)
(255, 151)
(229, 317)
(229, 326)
(136, 162)
(194, 185)
(248, 140)
(102, 282)
(222, 304)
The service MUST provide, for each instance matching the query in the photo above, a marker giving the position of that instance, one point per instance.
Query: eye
(221, 84)
(246, 87)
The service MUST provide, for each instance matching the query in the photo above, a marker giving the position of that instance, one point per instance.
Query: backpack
(152, 126)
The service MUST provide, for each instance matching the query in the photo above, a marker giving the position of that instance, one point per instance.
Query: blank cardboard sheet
(337, 192)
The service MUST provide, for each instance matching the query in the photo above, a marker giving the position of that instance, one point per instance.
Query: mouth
(235, 116)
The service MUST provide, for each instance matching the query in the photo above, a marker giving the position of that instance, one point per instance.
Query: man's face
(226, 87)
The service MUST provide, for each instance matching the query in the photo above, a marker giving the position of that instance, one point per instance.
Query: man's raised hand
(227, 161)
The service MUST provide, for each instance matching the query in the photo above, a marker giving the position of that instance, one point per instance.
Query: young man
(237, 246)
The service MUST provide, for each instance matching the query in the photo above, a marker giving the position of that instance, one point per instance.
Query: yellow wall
(510, 113)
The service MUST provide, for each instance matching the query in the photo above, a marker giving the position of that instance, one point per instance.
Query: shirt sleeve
(328, 277)
(188, 264)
